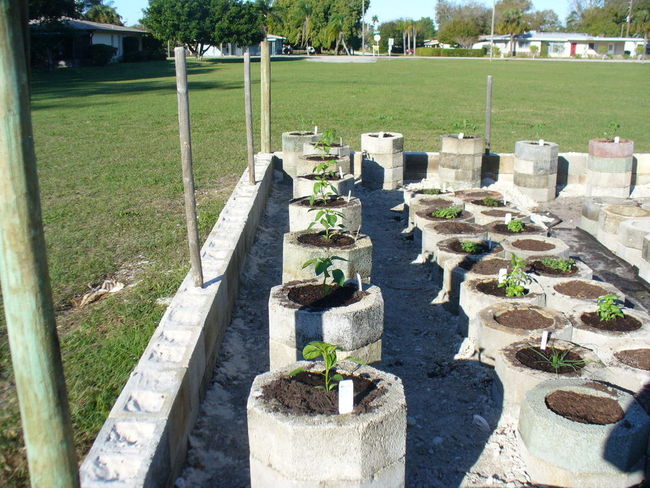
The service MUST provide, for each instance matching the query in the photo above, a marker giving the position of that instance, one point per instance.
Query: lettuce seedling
(560, 264)
(490, 202)
(447, 212)
(471, 247)
(516, 225)
(609, 307)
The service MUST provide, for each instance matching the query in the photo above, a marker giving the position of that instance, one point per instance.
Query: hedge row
(461, 53)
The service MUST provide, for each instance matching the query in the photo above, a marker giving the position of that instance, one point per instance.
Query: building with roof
(564, 44)
(228, 49)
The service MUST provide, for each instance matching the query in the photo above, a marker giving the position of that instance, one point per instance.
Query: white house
(564, 44)
(228, 49)
(125, 39)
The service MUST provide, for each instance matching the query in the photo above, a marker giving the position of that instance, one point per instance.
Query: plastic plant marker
(508, 218)
(346, 396)
(541, 142)
(359, 282)
(503, 272)
(315, 129)
(341, 172)
(617, 139)
(349, 195)
(461, 136)
(544, 341)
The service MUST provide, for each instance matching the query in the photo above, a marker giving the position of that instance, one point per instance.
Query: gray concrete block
(294, 142)
(465, 162)
(386, 161)
(612, 216)
(307, 162)
(601, 179)
(576, 163)
(294, 254)
(338, 150)
(583, 272)
(483, 216)
(610, 165)
(633, 231)
(533, 151)
(373, 174)
(535, 181)
(588, 336)
(603, 148)
(622, 374)
(592, 206)
(526, 167)
(301, 215)
(433, 233)
(566, 453)
(606, 191)
(450, 143)
(645, 254)
(382, 142)
(369, 449)
(303, 187)
(566, 303)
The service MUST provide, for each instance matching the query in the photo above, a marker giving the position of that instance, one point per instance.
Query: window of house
(610, 48)
(592, 46)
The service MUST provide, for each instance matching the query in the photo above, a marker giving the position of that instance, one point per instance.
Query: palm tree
(106, 14)
(513, 24)
(374, 20)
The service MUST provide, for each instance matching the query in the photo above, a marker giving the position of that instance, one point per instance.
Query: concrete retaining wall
(144, 440)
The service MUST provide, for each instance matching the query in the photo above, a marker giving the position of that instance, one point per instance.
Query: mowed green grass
(111, 187)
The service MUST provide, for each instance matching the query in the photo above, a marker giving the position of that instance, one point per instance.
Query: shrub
(101, 54)
(458, 52)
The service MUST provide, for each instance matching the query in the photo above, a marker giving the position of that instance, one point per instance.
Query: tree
(543, 21)
(104, 13)
(513, 24)
(52, 9)
(459, 32)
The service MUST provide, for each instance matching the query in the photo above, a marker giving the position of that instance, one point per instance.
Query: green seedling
(560, 264)
(431, 191)
(323, 189)
(447, 212)
(472, 247)
(326, 141)
(490, 202)
(515, 282)
(465, 126)
(609, 307)
(322, 267)
(516, 225)
(317, 349)
(558, 358)
(329, 219)
(612, 128)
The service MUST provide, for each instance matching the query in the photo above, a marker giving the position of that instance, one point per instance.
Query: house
(563, 44)
(228, 49)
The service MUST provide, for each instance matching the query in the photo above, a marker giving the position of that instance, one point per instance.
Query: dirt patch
(524, 318)
(636, 358)
(585, 409)
(618, 324)
(322, 297)
(427, 214)
(478, 194)
(331, 202)
(455, 228)
(534, 358)
(455, 246)
(329, 177)
(483, 204)
(528, 229)
(533, 245)
(580, 289)
(492, 288)
(501, 213)
(539, 268)
(319, 240)
(486, 267)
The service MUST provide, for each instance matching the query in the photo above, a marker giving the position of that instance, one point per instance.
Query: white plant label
(542, 344)
(504, 201)
(461, 136)
(617, 139)
(357, 235)
(349, 195)
(503, 272)
(341, 172)
(359, 282)
(541, 142)
(315, 129)
(508, 218)
(341, 141)
(346, 396)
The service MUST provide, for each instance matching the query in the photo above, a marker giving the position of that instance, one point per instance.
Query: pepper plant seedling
(515, 282)
(431, 191)
(516, 225)
(317, 349)
(471, 247)
(326, 141)
(491, 202)
(465, 126)
(559, 264)
(322, 267)
(609, 307)
(329, 219)
(447, 212)
(610, 132)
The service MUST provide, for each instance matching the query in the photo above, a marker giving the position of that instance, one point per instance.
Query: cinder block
(577, 164)
(601, 179)
(533, 151)
(604, 148)
(386, 161)
(294, 142)
(609, 165)
(633, 231)
(307, 162)
(450, 143)
(535, 181)
(528, 167)
(302, 215)
(303, 186)
(465, 162)
(382, 142)
(338, 150)
(520, 246)
(558, 300)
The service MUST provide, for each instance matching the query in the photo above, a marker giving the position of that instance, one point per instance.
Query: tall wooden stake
(265, 101)
(26, 292)
(248, 101)
(488, 117)
(186, 156)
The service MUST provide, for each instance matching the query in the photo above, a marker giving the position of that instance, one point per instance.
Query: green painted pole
(26, 290)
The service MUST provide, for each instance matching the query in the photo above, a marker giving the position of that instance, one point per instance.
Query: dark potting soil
(618, 324)
(455, 246)
(433, 203)
(318, 239)
(331, 202)
(333, 177)
(302, 134)
(383, 135)
(427, 214)
(492, 288)
(534, 358)
(321, 297)
(585, 409)
(430, 191)
(533, 245)
(482, 203)
(320, 157)
(500, 213)
(486, 267)
(527, 319)
(528, 229)
(637, 358)
(478, 194)
(298, 395)
(580, 289)
(539, 268)
(455, 228)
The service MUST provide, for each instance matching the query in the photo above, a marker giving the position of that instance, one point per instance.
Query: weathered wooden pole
(26, 292)
(186, 159)
(265, 100)
(248, 101)
(488, 116)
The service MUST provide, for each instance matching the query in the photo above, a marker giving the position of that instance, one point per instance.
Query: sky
(131, 10)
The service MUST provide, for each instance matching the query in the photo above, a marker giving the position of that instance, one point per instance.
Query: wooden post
(186, 159)
(265, 101)
(248, 101)
(488, 117)
(26, 292)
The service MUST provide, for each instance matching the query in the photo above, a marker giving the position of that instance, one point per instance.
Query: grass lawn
(111, 187)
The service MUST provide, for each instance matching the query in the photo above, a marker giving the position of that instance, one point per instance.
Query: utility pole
(629, 19)
(26, 292)
(492, 31)
(363, 26)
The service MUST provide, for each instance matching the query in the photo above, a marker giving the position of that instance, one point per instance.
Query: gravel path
(457, 435)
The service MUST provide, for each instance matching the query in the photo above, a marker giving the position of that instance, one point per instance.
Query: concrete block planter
(525, 247)
(433, 233)
(627, 364)
(421, 202)
(301, 214)
(601, 335)
(423, 217)
(535, 169)
(548, 277)
(292, 148)
(478, 193)
(474, 298)
(361, 449)
(306, 163)
(383, 162)
(609, 168)
(338, 150)
(630, 240)
(610, 219)
(304, 185)
(460, 161)
(591, 208)
(490, 216)
(566, 294)
(356, 328)
(521, 367)
(498, 231)
(502, 324)
(565, 452)
(296, 252)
